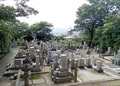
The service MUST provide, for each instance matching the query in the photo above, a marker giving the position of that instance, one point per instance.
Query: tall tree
(109, 33)
(90, 16)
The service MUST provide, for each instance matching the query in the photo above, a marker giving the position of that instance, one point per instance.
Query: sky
(61, 13)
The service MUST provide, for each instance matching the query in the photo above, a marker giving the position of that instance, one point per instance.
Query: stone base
(81, 67)
(62, 79)
(99, 70)
(89, 66)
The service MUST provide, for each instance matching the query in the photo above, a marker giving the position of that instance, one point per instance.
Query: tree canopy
(42, 30)
(91, 16)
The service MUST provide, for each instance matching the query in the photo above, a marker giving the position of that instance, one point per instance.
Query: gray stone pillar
(68, 62)
(75, 72)
(26, 75)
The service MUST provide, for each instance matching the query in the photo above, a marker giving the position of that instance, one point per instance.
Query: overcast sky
(61, 13)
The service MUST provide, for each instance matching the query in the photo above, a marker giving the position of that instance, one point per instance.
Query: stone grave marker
(63, 60)
(94, 61)
(84, 45)
(99, 67)
(14, 44)
(109, 51)
(88, 62)
(118, 54)
(32, 51)
(81, 63)
(72, 64)
(78, 52)
(37, 66)
(17, 62)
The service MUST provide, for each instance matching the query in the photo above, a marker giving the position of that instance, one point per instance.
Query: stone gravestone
(81, 63)
(32, 51)
(20, 53)
(56, 57)
(118, 54)
(78, 52)
(98, 49)
(67, 53)
(88, 62)
(94, 61)
(37, 66)
(14, 44)
(99, 67)
(55, 64)
(72, 65)
(38, 52)
(62, 74)
(49, 59)
(80, 46)
(109, 51)
(63, 60)
(114, 55)
(17, 63)
(84, 45)
(118, 61)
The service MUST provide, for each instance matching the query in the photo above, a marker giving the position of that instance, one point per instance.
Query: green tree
(22, 9)
(42, 30)
(109, 33)
(90, 16)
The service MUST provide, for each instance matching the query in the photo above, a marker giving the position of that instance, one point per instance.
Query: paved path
(9, 58)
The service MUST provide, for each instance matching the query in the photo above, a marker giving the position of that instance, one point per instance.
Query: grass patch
(34, 76)
(72, 77)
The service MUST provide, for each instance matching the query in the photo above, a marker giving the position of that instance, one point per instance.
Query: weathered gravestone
(17, 62)
(78, 52)
(14, 44)
(94, 61)
(32, 51)
(62, 74)
(81, 63)
(84, 45)
(99, 67)
(109, 51)
(72, 64)
(88, 62)
(37, 66)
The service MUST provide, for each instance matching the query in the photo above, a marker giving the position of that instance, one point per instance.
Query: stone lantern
(26, 68)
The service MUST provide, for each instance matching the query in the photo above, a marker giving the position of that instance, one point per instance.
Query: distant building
(71, 34)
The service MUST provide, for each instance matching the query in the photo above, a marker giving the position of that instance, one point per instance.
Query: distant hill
(60, 31)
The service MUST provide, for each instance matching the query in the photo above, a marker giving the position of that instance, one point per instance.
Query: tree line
(100, 22)
(11, 28)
